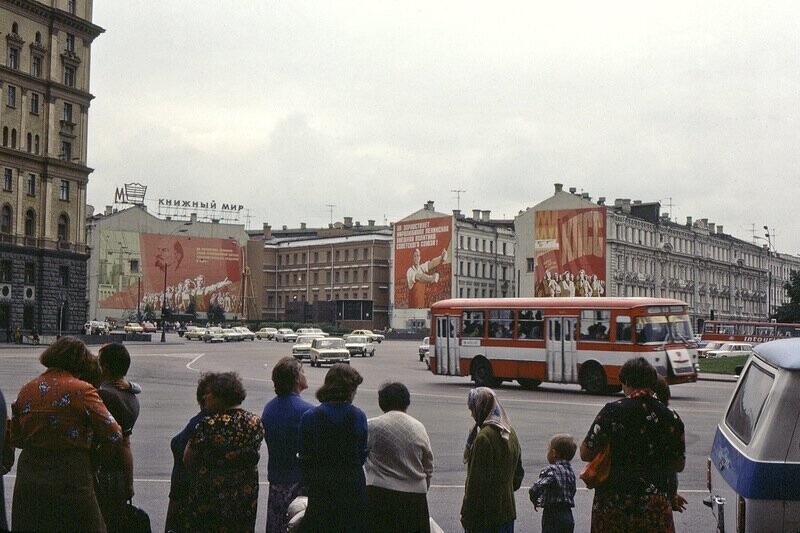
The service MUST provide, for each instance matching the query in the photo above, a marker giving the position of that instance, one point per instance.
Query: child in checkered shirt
(555, 489)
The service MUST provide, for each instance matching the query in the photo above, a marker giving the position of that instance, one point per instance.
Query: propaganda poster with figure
(423, 262)
(570, 252)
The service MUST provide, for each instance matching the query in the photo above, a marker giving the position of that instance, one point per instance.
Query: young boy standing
(555, 489)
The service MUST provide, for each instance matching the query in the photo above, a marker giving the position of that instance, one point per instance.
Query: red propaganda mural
(423, 262)
(199, 270)
(570, 252)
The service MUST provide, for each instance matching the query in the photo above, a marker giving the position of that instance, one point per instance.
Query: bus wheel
(529, 384)
(482, 374)
(593, 378)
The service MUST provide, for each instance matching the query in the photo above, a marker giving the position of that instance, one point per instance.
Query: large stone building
(630, 248)
(338, 274)
(44, 109)
(438, 256)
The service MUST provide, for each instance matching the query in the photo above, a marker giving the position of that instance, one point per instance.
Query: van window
(748, 402)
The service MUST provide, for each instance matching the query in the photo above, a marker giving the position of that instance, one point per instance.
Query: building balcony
(43, 243)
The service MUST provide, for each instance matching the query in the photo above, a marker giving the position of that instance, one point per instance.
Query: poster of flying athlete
(423, 262)
(570, 252)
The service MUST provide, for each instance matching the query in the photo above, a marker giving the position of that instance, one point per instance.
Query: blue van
(754, 467)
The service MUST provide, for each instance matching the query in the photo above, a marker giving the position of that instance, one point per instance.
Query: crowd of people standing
(74, 421)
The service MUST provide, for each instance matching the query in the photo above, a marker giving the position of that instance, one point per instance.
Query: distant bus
(562, 340)
(752, 332)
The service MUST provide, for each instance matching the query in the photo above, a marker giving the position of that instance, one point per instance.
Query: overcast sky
(377, 107)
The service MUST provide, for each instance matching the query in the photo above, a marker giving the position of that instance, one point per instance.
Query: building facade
(338, 274)
(438, 256)
(141, 264)
(632, 249)
(44, 108)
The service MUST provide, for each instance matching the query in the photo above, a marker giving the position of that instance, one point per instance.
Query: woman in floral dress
(222, 459)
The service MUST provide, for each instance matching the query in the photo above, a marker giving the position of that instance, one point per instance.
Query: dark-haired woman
(647, 447)
(57, 419)
(221, 458)
(333, 448)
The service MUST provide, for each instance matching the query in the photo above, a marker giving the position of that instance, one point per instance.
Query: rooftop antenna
(670, 205)
(330, 208)
(458, 197)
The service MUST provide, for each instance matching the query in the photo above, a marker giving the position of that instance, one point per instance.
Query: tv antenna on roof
(330, 208)
(458, 197)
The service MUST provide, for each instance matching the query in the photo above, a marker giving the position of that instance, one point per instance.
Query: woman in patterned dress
(222, 459)
(57, 419)
(647, 448)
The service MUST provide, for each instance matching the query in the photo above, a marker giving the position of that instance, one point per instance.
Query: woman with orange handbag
(647, 446)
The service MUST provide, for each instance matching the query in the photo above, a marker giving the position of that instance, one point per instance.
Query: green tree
(216, 314)
(790, 312)
(149, 314)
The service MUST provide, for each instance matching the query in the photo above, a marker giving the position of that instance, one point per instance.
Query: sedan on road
(285, 335)
(328, 350)
(360, 345)
(266, 333)
(302, 346)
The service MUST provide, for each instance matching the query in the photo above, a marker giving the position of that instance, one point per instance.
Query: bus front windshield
(661, 329)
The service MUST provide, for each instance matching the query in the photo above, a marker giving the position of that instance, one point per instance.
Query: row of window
(29, 272)
(14, 56)
(299, 279)
(7, 223)
(480, 245)
(300, 258)
(301, 297)
(30, 185)
(481, 270)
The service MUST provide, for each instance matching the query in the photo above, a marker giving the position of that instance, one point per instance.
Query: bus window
(595, 324)
(473, 323)
(680, 328)
(530, 324)
(725, 329)
(624, 329)
(501, 323)
(651, 329)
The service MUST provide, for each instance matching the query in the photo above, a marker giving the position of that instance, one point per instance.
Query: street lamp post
(181, 229)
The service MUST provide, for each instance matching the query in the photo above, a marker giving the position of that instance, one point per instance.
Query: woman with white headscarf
(494, 467)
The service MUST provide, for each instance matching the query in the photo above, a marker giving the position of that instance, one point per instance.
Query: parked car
(148, 327)
(96, 327)
(302, 346)
(710, 345)
(326, 350)
(231, 335)
(360, 345)
(245, 333)
(266, 333)
(376, 337)
(194, 333)
(731, 349)
(755, 457)
(424, 348)
(312, 331)
(285, 335)
(133, 327)
(213, 334)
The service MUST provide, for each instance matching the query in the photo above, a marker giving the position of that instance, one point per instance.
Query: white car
(360, 345)
(302, 346)
(285, 335)
(231, 335)
(711, 345)
(213, 334)
(328, 350)
(194, 333)
(133, 327)
(312, 331)
(732, 349)
(376, 337)
(266, 333)
(245, 333)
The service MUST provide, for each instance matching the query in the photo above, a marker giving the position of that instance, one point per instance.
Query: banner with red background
(423, 262)
(570, 252)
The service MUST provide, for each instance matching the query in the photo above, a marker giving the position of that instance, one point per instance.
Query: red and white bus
(752, 332)
(561, 340)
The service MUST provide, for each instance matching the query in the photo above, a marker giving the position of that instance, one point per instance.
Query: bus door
(561, 349)
(447, 351)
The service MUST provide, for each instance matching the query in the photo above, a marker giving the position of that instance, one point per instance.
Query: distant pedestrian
(281, 421)
(399, 466)
(8, 333)
(555, 489)
(18, 335)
